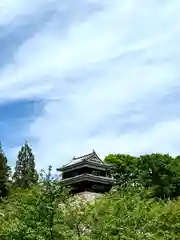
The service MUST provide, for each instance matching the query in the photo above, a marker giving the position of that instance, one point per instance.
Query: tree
(45, 211)
(4, 173)
(124, 214)
(3, 189)
(175, 180)
(126, 169)
(25, 174)
(36, 212)
(158, 171)
(155, 170)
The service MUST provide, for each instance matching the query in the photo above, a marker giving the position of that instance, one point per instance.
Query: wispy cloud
(107, 72)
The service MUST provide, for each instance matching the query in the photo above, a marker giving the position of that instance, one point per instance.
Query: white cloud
(126, 53)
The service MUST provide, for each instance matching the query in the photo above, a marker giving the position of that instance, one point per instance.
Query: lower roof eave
(88, 178)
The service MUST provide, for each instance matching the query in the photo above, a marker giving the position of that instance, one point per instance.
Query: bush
(50, 214)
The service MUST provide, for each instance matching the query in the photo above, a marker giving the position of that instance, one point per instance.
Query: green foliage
(4, 174)
(47, 212)
(139, 207)
(32, 213)
(159, 171)
(124, 214)
(155, 171)
(25, 174)
(126, 167)
(3, 190)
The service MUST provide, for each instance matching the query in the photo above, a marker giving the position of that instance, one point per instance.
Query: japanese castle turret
(87, 173)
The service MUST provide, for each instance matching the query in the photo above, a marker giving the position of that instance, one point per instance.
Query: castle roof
(88, 160)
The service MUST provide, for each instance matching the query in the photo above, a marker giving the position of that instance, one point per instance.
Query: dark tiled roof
(88, 157)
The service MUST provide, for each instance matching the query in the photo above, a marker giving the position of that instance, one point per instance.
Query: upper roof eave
(91, 157)
(85, 163)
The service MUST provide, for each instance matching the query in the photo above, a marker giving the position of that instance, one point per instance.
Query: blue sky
(89, 74)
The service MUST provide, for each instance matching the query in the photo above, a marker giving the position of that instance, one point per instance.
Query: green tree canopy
(25, 174)
(4, 173)
(126, 167)
(36, 213)
(159, 171)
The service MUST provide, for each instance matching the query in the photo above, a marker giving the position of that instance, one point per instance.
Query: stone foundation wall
(89, 196)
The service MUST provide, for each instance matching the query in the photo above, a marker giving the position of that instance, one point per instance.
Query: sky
(77, 75)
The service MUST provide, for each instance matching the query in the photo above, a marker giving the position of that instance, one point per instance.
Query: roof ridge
(86, 155)
(90, 157)
(95, 154)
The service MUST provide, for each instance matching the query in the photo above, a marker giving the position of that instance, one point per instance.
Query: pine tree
(2, 177)
(5, 171)
(25, 174)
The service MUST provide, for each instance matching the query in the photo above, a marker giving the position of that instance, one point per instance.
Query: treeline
(44, 212)
(144, 203)
(160, 172)
(24, 175)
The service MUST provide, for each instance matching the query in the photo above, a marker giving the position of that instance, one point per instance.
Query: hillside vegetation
(144, 204)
